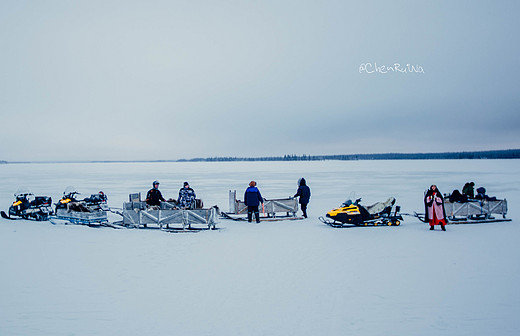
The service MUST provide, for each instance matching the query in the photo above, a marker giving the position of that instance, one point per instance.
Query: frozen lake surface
(281, 278)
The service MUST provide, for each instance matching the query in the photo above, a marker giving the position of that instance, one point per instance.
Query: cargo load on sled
(273, 209)
(91, 211)
(28, 206)
(168, 215)
(352, 213)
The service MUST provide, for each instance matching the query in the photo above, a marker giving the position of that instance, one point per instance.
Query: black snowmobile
(354, 214)
(39, 208)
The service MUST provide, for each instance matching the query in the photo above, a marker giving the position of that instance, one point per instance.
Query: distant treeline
(494, 154)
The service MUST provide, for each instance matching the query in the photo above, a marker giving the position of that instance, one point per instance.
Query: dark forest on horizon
(491, 154)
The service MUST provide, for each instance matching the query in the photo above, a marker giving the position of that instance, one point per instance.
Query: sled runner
(274, 209)
(354, 214)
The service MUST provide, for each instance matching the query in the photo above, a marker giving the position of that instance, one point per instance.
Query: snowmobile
(69, 196)
(39, 208)
(89, 211)
(354, 214)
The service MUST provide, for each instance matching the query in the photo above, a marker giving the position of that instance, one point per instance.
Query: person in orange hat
(252, 199)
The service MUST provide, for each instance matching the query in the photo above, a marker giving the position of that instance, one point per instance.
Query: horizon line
(307, 157)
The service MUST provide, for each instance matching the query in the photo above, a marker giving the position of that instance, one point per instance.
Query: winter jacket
(434, 203)
(154, 197)
(468, 190)
(252, 197)
(305, 194)
(303, 191)
(435, 207)
(186, 198)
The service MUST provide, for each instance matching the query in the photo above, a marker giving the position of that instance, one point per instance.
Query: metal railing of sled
(137, 215)
(479, 208)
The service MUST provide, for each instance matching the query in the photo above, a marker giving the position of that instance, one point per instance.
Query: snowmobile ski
(6, 216)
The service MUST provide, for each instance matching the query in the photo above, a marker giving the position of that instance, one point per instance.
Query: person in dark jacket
(186, 198)
(304, 192)
(468, 190)
(252, 199)
(154, 196)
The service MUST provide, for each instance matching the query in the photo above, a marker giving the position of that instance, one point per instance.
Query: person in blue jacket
(187, 196)
(252, 199)
(304, 192)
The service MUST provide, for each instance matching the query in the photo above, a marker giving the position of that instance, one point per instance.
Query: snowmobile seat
(380, 206)
(95, 199)
(41, 200)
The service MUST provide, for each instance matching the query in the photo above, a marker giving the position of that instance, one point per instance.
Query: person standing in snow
(186, 198)
(154, 196)
(434, 208)
(252, 199)
(304, 192)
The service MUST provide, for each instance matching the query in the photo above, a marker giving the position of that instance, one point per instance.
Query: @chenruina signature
(371, 68)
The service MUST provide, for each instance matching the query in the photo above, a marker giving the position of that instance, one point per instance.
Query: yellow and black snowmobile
(28, 206)
(69, 196)
(354, 214)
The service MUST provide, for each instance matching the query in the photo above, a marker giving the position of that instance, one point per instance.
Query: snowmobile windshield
(23, 191)
(350, 199)
(70, 190)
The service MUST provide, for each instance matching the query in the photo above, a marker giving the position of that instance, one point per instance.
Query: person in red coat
(434, 208)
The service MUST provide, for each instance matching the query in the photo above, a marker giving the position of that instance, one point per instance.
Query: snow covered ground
(281, 278)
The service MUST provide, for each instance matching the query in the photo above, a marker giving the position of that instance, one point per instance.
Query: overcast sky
(147, 80)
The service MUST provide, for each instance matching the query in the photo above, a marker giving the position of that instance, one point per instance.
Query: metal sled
(480, 211)
(138, 214)
(273, 209)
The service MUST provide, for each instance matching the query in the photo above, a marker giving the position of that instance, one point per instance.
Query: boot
(257, 215)
(431, 227)
(443, 227)
(249, 217)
